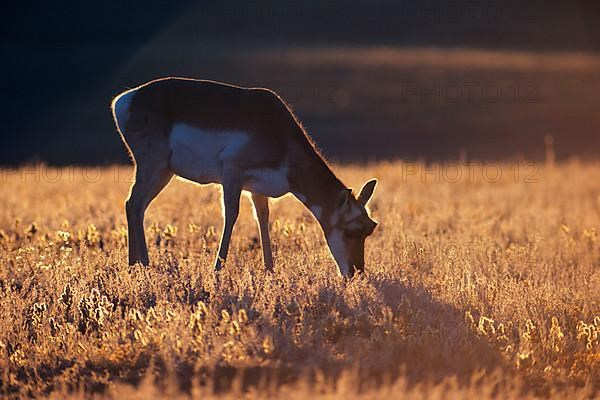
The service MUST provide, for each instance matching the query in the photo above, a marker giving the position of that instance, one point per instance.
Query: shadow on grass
(378, 330)
(375, 330)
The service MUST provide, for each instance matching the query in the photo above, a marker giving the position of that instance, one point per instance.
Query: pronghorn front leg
(232, 190)
(261, 207)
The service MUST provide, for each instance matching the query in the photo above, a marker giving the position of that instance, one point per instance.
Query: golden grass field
(473, 289)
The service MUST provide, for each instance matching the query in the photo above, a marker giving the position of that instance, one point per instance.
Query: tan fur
(253, 132)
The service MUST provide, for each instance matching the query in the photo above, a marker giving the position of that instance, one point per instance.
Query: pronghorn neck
(318, 188)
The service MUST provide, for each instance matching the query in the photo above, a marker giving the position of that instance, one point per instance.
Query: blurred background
(370, 79)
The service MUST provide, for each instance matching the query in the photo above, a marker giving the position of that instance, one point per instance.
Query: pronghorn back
(159, 106)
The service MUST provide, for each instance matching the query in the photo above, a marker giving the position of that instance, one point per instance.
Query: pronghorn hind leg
(232, 190)
(261, 207)
(149, 182)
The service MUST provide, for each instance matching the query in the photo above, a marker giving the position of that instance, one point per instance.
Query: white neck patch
(338, 251)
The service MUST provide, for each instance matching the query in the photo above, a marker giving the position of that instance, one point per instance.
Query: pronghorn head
(350, 225)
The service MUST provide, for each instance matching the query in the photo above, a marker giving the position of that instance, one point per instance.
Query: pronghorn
(241, 138)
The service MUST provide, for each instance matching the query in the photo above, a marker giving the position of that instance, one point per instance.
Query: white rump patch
(120, 107)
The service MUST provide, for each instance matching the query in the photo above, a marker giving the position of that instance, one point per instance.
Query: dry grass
(473, 289)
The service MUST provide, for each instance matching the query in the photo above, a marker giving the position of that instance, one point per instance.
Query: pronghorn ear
(366, 192)
(343, 198)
